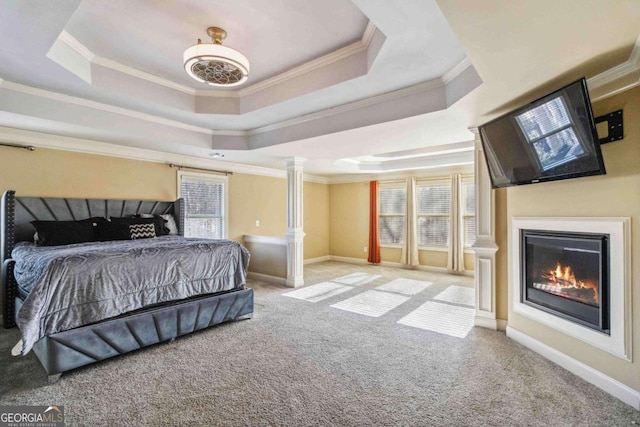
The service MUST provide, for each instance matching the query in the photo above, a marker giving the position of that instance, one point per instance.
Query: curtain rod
(26, 147)
(180, 167)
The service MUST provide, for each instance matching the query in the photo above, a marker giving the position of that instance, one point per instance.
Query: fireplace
(567, 274)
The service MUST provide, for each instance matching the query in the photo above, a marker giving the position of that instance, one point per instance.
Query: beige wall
(615, 194)
(257, 198)
(54, 173)
(316, 220)
(349, 219)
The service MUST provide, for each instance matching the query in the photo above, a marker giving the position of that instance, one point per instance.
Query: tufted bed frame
(88, 344)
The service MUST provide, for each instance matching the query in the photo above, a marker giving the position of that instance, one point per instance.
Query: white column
(295, 216)
(485, 247)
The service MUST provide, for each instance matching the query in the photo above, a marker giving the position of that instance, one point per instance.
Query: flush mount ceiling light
(215, 64)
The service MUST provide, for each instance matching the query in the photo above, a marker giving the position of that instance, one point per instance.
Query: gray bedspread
(75, 285)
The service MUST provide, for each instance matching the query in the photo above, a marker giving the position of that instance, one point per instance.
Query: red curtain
(374, 238)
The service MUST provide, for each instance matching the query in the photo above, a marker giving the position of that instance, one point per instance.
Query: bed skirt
(81, 346)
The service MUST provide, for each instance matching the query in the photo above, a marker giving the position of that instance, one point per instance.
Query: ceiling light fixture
(215, 64)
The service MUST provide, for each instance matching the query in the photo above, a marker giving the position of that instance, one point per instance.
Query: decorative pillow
(54, 233)
(142, 231)
(161, 223)
(171, 224)
(110, 230)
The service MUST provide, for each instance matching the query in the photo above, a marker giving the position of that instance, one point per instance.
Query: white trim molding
(619, 341)
(99, 148)
(613, 387)
(317, 260)
(267, 278)
(295, 217)
(485, 246)
(620, 76)
(265, 240)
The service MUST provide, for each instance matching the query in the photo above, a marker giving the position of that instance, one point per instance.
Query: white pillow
(171, 224)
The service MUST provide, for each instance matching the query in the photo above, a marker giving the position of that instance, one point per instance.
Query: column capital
(293, 162)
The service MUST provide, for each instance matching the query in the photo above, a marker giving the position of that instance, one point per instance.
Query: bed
(82, 312)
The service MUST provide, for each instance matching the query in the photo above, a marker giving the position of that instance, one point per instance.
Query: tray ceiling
(353, 86)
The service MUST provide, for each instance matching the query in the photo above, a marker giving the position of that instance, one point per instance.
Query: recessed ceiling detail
(344, 64)
(383, 77)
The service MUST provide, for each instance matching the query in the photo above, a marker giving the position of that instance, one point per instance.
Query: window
(205, 205)
(392, 205)
(468, 209)
(549, 129)
(433, 206)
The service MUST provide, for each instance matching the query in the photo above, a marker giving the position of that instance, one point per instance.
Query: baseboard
(315, 260)
(587, 373)
(267, 278)
(348, 260)
(397, 265)
(486, 322)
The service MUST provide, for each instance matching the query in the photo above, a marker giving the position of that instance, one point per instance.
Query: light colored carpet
(298, 363)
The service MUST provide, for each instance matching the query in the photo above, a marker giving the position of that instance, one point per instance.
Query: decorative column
(295, 215)
(485, 247)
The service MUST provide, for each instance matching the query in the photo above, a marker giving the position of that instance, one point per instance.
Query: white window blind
(469, 213)
(204, 206)
(433, 206)
(549, 129)
(392, 205)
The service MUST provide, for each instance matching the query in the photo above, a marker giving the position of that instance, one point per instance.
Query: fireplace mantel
(618, 342)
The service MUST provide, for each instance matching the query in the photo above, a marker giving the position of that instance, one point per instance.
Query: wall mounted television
(549, 139)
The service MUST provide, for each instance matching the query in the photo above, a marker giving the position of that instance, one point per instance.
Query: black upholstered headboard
(17, 213)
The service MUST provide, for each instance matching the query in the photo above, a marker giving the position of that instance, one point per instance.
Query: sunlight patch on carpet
(405, 286)
(441, 318)
(356, 279)
(457, 295)
(371, 303)
(315, 293)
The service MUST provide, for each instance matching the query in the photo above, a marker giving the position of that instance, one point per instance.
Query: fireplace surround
(612, 335)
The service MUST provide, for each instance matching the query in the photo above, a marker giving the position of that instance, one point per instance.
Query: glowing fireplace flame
(563, 277)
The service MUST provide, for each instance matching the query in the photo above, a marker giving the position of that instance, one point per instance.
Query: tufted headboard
(16, 214)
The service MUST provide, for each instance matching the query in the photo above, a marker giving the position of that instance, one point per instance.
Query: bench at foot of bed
(82, 346)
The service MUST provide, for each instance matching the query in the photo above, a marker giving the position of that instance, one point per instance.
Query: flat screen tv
(550, 139)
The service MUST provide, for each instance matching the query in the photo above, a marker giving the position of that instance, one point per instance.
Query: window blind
(469, 213)
(204, 207)
(433, 206)
(392, 206)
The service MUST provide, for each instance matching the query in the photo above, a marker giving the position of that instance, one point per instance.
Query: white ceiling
(385, 85)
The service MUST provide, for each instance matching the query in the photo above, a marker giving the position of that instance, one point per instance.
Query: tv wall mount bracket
(615, 129)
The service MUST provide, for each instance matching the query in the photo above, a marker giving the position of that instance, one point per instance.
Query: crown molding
(315, 179)
(632, 64)
(353, 49)
(74, 44)
(617, 73)
(134, 72)
(56, 96)
(432, 173)
(457, 69)
(351, 106)
(99, 148)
